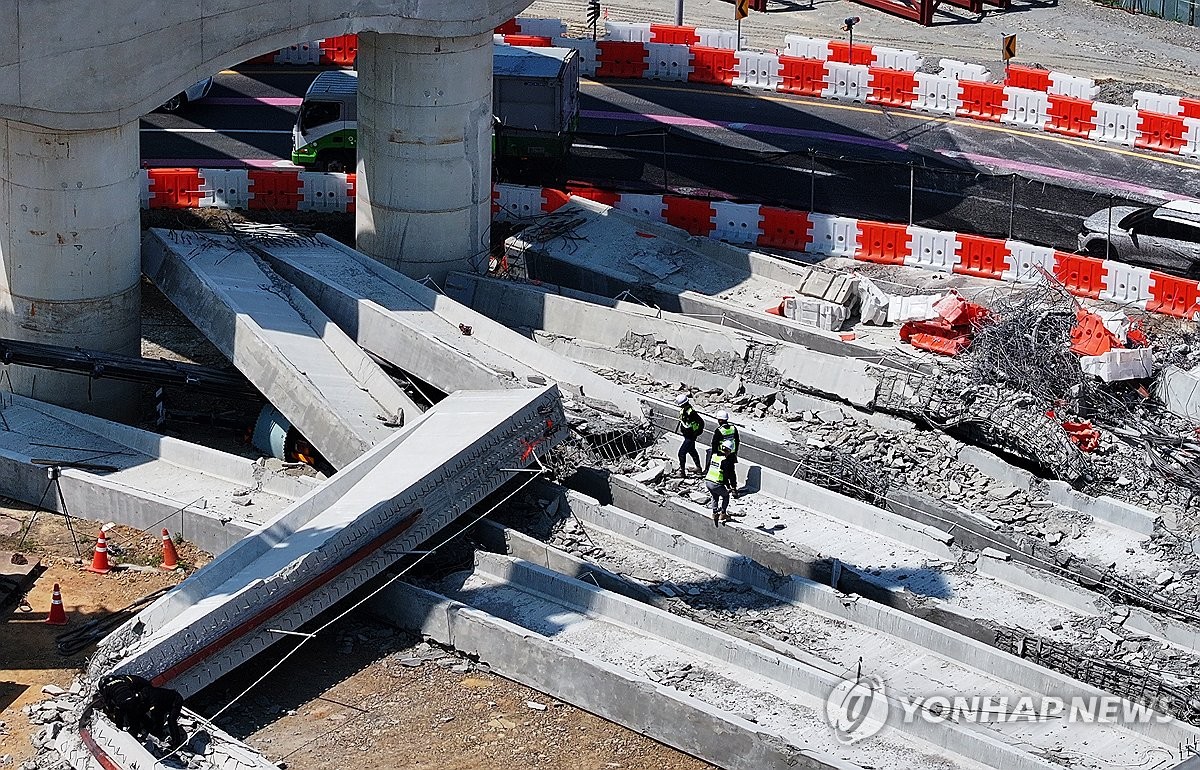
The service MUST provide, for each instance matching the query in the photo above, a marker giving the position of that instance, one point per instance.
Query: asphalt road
(836, 157)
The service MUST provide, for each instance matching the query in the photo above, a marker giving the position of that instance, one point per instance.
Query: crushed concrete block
(1179, 391)
(872, 302)
(817, 313)
(993, 553)
(1107, 636)
(832, 287)
(1165, 577)
(918, 307)
(651, 474)
(53, 690)
(1002, 493)
(1120, 364)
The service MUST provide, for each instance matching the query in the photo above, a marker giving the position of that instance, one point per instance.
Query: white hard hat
(681, 399)
(722, 416)
(727, 446)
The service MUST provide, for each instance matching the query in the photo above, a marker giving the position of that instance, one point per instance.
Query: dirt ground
(378, 695)
(362, 696)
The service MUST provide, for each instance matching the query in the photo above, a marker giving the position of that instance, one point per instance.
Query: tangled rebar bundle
(1024, 344)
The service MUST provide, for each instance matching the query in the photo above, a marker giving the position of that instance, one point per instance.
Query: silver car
(1165, 237)
(190, 94)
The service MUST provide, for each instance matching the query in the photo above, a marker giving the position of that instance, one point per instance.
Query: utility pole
(678, 13)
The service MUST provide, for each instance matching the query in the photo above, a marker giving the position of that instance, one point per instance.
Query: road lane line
(755, 128)
(1004, 163)
(708, 158)
(918, 116)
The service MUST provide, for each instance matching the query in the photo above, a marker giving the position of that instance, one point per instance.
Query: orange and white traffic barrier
(1045, 100)
(753, 225)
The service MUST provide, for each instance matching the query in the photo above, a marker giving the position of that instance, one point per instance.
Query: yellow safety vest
(715, 474)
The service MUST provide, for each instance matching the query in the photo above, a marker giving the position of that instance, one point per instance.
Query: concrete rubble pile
(873, 460)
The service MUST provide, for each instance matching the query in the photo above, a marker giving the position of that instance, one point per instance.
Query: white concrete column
(424, 191)
(69, 248)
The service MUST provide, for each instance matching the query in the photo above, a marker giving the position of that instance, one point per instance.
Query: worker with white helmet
(725, 444)
(691, 426)
(718, 492)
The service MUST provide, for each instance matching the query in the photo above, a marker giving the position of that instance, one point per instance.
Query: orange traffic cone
(100, 557)
(58, 616)
(170, 557)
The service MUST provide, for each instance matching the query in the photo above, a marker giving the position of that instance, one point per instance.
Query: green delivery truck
(535, 100)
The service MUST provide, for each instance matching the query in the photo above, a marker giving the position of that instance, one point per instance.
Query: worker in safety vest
(691, 426)
(725, 444)
(715, 483)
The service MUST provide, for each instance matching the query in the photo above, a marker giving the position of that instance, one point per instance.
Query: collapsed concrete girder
(332, 392)
(427, 334)
(320, 549)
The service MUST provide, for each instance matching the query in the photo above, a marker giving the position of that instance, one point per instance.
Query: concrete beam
(420, 331)
(755, 357)
(312, 555)
(331, 391)
(924, 636)
(609, 254)
(608, 691)
(785, 695)
(159, 481)
(63, 66)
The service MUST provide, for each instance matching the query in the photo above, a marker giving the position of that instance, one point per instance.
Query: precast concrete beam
(332, 392)
(784, 696)
(608, 253)
(880, 621)
(423, 200)
(573, 676)
(66, 67)
(211, 498)
(613, 325)
(69, 266)
(426, 333)
(361, 521)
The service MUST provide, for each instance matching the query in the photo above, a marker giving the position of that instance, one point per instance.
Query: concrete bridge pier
(424, 190)
(70, 254)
